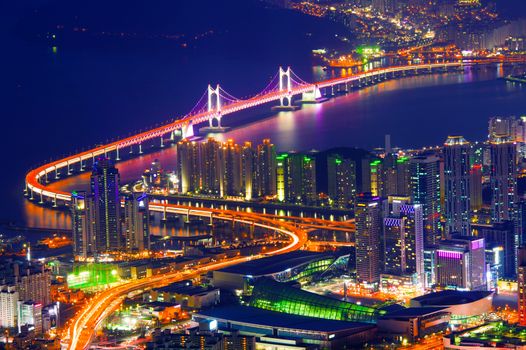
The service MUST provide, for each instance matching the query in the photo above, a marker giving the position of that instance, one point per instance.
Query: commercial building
(415, 322)
(286, 330)
(282, 297)
(30, 315)
(299, 266)
(198, 339)
(403, 238)
(192, 297)
(461, 263)
(368, 214)
(500, 234)
(425, 190)
(493, 335)
(463, 306)
(137, 222)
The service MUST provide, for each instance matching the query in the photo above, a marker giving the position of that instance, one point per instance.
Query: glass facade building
(282, 297)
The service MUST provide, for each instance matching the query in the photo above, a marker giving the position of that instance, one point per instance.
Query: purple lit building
(461, 263)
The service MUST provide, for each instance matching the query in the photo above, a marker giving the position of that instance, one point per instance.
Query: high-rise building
(425, 190)
(230, 181)
(210, 179)
(8, 306)
(502, 235)
(403, 238)
(368, 216)
(341, 173)
(248, 169)
(461, 263)
(475, 188)
(521, 281)
(33, 283)
(82, 224)
(188, 166)
(137, 222)
(106, 206)
(503, 178)
(457, 185)
(30, 315)
(296, 178)
(390, 176)
(266, 169)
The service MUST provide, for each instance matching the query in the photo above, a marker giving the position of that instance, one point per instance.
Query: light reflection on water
(435, 105)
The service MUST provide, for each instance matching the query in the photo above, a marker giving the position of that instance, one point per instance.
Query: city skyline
(209, 175)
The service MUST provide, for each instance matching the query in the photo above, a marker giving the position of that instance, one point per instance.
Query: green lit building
(87, 276)
(271, 295)
(296, 178)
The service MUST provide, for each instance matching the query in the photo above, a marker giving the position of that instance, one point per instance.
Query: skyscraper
(82, 224)
(106, 206)
(188, 167)
(248, 168)
(425, 190)
(368, 216)
(403, 238)
(137, 222)
(230, 181)
(341, 173)
(476, 187)
(503, 178)
(457, 185)
(210, 182)
(266, 169)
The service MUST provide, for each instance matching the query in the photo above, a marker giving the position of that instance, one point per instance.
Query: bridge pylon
(285, 88)
(214, 106)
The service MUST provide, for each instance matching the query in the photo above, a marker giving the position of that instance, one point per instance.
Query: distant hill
(220, 24)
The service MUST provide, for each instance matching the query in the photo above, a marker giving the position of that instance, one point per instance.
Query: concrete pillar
(162, 142)
(117, 156)
(131, 149)
(140, 148)
(41, 198)
(31, 197)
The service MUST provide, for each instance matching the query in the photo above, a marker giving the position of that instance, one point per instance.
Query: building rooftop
(451, 297)
(255, 316)
(414, 312)
(277, 263)
(186, 290)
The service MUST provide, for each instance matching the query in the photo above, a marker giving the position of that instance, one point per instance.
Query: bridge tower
(214, 105)
(285, 85)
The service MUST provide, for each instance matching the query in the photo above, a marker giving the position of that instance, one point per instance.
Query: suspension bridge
(215, 104)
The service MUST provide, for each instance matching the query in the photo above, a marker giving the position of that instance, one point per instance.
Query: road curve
(84, 323)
